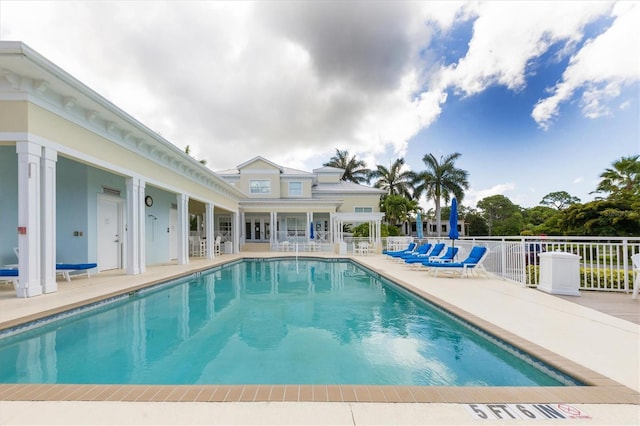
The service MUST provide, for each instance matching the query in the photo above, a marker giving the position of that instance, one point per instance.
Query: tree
(354, 170)
(398, 209)
(542, 220)
(559, 200)
(394, 180)
(623, 179)
(440, 180)
(611, 217)
(502, 216)
(476, 224)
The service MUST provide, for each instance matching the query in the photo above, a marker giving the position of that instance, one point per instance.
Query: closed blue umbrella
(311, 230)
(453, 221)
(419, 232)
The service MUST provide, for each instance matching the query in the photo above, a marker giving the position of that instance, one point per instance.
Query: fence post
(625, 264)
(523, 259)
(503, 260)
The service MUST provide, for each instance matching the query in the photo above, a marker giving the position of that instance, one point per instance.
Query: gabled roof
(259, 158)
(328, 169)
(284, 171)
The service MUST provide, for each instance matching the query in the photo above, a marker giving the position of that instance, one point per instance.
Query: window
(364, 210)
(260, 186)
(295, 189)
(296, 226)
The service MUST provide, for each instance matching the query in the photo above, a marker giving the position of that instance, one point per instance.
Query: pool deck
(595, 338)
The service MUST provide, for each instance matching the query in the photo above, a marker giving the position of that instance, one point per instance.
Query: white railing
(605, 262)
(288, 241)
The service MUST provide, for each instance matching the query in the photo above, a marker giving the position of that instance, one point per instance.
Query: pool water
(265, 321)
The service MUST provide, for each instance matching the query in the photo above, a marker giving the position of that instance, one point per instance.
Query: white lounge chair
(635, 262)
(216, 245)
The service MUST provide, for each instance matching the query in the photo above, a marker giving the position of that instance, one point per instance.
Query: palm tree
(441, 180)
(398, 209)
(394, 180)
(354, 170)
(623, 178)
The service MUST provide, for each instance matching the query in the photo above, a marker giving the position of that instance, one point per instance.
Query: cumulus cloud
(601, 68)
(295, 80)
(507, 36)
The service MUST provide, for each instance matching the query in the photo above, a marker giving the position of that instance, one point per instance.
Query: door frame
(265, 229)
(120, 226)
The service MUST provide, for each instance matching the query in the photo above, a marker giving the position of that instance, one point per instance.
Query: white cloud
(601, 68)
(507, 36)
(577, 180)
(293, 81)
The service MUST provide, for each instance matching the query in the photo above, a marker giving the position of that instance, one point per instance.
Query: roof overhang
(25, 75)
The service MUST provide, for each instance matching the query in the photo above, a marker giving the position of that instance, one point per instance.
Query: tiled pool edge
(601, 390)
(607, 394)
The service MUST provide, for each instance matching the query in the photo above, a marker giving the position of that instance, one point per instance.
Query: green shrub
(589, 277)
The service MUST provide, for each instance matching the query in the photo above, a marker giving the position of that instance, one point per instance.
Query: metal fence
(605, 262)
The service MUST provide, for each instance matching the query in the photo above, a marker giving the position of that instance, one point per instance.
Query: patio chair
(10, 275)
(635, 262)
(435, 251)
(216, 245)
(65, 269)
(473, 262)
(411, 247)
(448, 256)
(363, 248)
(419, 252)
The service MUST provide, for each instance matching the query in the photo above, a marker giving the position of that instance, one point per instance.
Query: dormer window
(260, 186)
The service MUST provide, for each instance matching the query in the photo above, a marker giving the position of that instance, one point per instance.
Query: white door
(109, 238)
(173, 234)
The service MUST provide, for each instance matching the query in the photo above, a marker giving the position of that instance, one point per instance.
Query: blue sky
(537, 96)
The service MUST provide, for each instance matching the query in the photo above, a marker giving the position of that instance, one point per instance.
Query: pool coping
(599, 389)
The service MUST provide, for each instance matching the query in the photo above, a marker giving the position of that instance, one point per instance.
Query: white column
(135, 256)
(238, 220)
(274, 228)
(183, 229)
(29, 229)
(48, 219)
(209, 229)
(235, 217)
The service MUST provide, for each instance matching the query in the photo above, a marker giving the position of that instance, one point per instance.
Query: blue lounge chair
(435, 251)
(473, 262)
(420, 251)
(66, 268)
(448, 256)
(409, 249)
(11, 275)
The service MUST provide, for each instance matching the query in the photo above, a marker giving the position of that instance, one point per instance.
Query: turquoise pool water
(267, 322)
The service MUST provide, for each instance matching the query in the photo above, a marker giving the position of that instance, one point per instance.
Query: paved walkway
(605, 344)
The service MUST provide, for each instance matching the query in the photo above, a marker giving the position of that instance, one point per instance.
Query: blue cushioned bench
(83, 268)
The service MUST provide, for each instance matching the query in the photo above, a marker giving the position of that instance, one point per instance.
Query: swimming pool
(267, 321)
